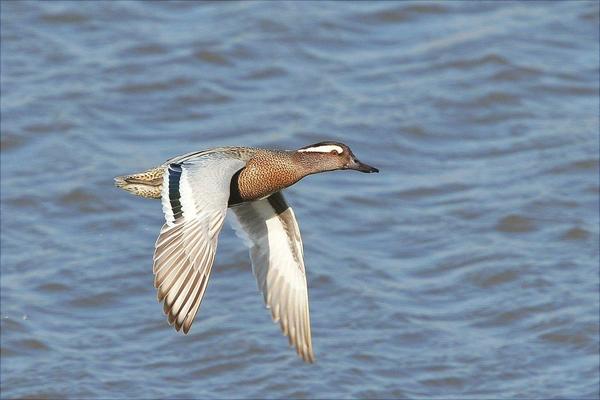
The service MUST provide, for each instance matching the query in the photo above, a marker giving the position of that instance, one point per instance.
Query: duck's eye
(334, 152)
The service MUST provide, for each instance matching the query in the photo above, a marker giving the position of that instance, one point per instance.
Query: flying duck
(196, 189)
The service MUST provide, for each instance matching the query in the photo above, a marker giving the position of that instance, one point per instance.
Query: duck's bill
(362, 167)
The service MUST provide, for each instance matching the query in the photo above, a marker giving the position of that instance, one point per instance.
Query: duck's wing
(277, 262)
(194, 200)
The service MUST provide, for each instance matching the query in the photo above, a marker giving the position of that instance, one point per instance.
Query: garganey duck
(197, 188)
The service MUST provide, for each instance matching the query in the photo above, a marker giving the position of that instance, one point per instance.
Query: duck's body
(197, 188)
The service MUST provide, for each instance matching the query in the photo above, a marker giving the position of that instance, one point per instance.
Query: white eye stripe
(323, 149)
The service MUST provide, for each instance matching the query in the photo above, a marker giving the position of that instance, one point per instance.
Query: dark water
(467, 268)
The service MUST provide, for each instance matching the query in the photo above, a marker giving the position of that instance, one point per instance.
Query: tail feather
(145, 184)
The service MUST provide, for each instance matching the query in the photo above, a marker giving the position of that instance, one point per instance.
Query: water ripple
(467, 268)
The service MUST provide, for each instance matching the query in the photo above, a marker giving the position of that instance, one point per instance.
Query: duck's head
(331, 156)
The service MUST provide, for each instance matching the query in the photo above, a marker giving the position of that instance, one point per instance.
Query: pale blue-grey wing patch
(194, 199)
(277, 262)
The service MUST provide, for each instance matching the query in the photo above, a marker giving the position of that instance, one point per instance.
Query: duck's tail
(145, 184)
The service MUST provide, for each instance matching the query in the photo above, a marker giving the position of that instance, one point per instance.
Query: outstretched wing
(277, 261)
(194, 199)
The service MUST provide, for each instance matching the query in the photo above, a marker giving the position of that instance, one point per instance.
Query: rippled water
(467, 268)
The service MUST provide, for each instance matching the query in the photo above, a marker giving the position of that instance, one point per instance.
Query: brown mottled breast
(266, 173)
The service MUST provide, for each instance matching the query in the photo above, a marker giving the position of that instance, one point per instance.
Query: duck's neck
(313, 162)
(271, 171)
